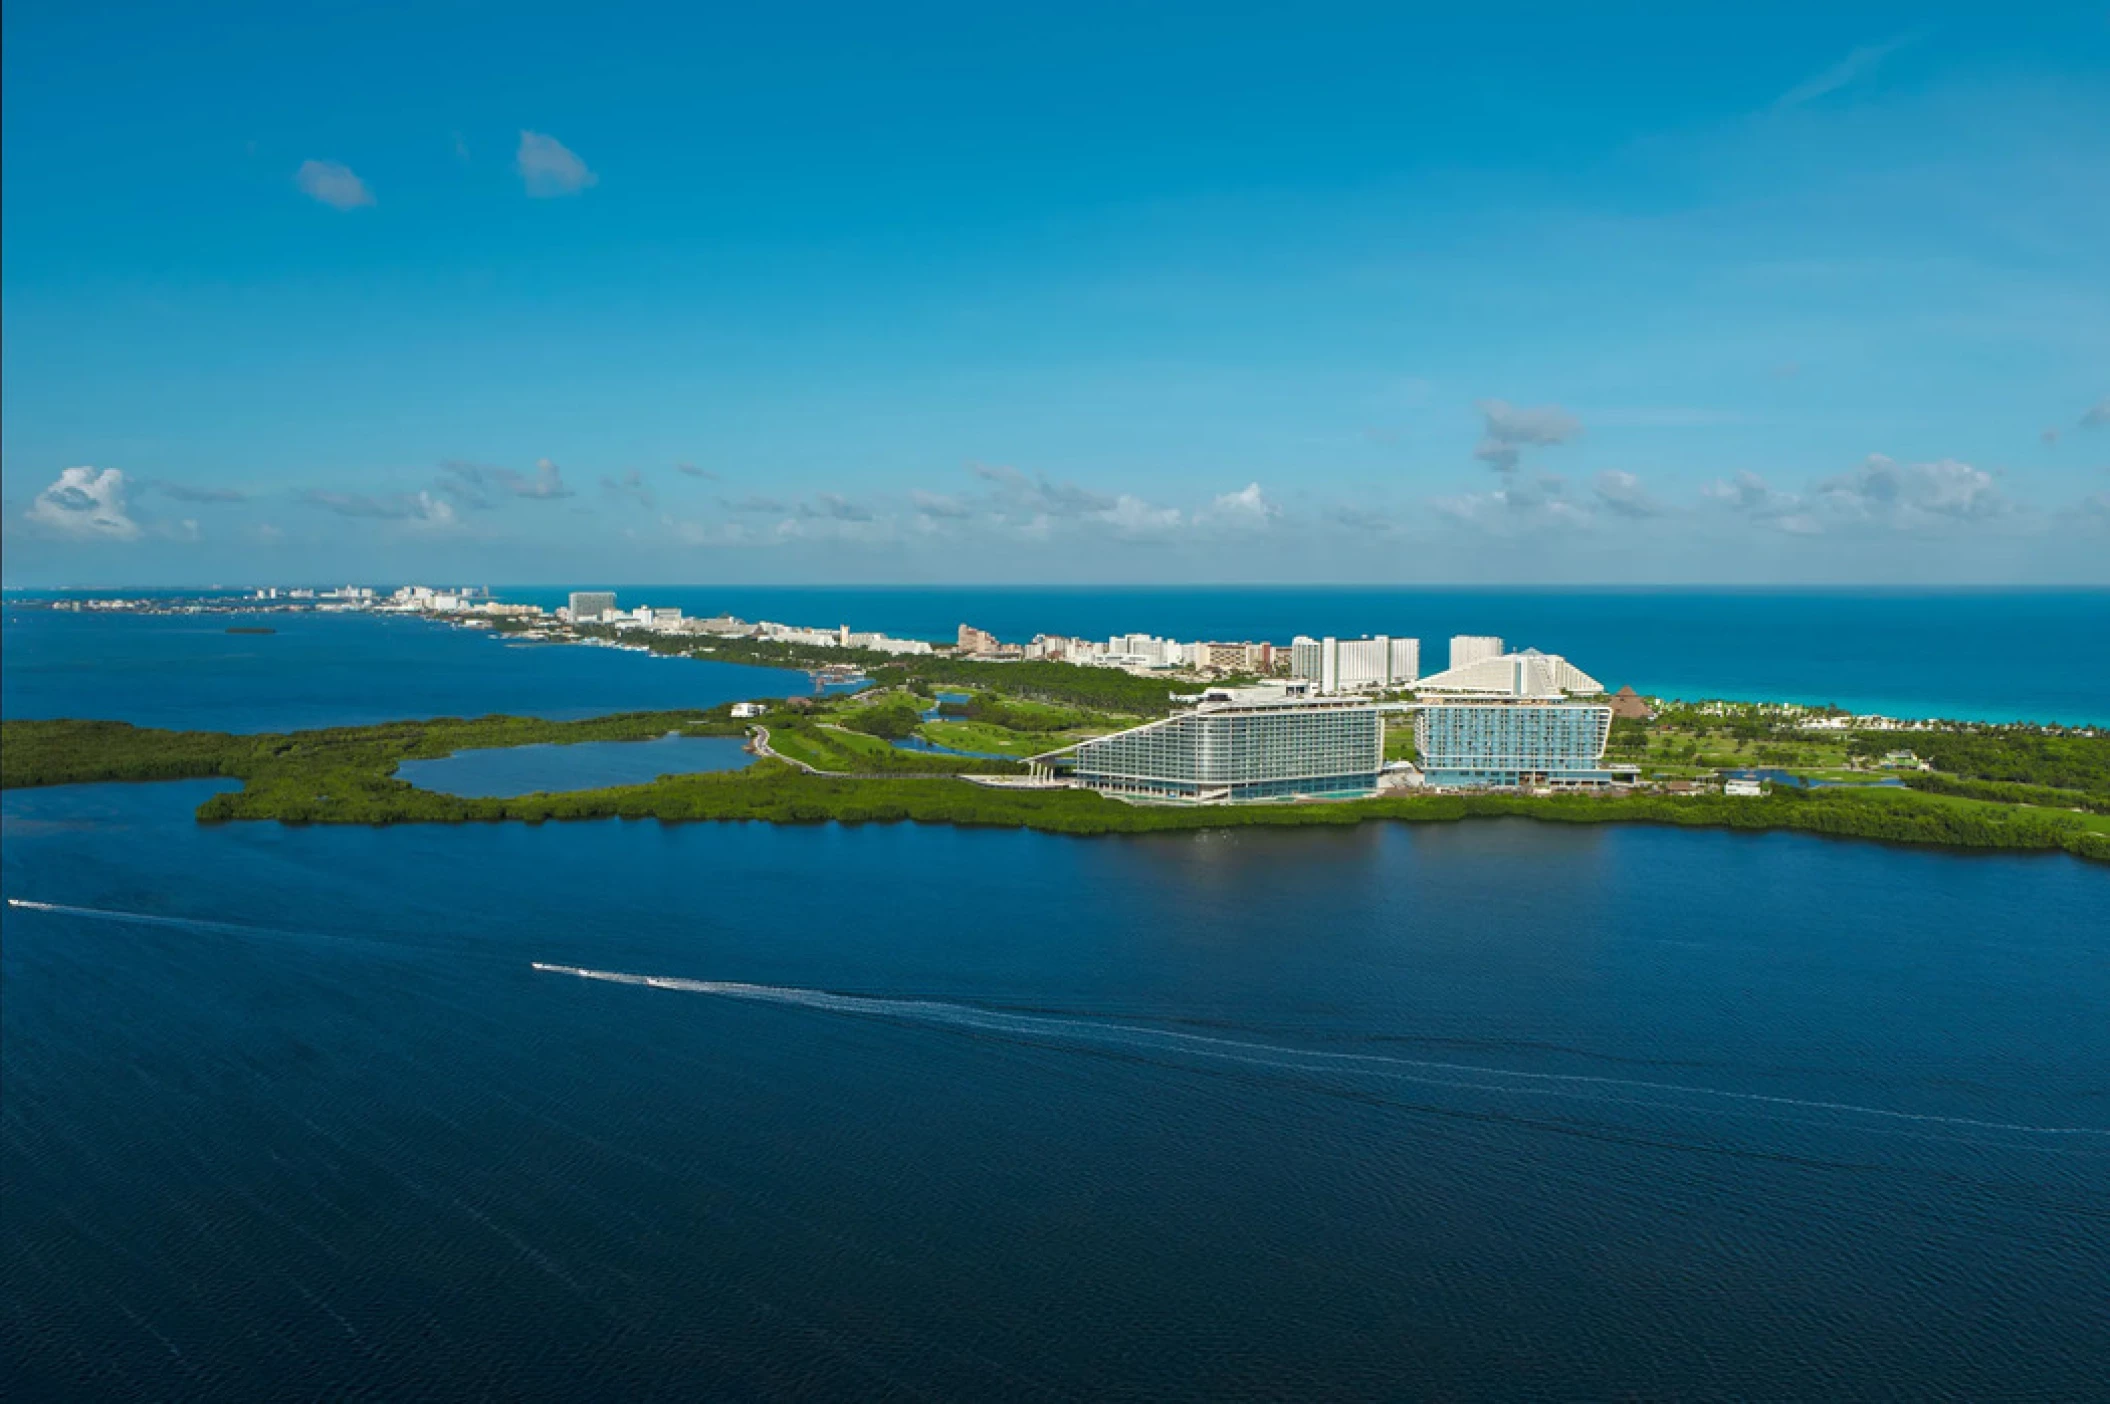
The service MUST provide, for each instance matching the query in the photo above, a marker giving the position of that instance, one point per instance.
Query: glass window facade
(1240, 753)
(1513, 743)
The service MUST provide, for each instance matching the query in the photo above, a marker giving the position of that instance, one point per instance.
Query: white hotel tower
(1345, 665)
(1472, 648)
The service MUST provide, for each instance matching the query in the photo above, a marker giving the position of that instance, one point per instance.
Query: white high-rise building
(587, 606)
(1346, 665)
(1471, 648)
(1148, 649)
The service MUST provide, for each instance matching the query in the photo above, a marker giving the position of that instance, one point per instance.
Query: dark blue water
(2001, 655)
(586, 765)
(334, 670)
(1489, 1111)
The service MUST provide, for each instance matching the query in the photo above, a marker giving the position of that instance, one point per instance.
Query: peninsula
(836, 758)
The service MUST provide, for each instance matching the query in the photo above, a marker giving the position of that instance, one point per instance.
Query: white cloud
(549, 168)
(1880, 492)
(1510, 429)
(1132, 516)
(1247, 508)
(1032, 495)
(1517, 506)
(477, 484)
(1906, 494)
(834, 507)
(1621, 492)
(418, 509)
(86, 504)
(332, 184)
(1752, 495)
(939, 505)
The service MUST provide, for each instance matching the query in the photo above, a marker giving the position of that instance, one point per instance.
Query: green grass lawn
(996, 740)
(806, 748)
(1002, 741)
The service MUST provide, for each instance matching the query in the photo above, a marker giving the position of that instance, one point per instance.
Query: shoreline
(347, 776)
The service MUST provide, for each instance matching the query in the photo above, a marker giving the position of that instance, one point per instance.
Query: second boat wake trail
(1661, 1096)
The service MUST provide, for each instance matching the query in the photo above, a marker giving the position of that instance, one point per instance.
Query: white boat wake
(1474, 1077)
(134, 918)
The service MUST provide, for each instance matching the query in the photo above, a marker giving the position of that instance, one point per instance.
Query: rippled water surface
(1496, 1110)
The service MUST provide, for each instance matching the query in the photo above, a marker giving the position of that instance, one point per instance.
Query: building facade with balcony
(1234, 744)
(1522, 741)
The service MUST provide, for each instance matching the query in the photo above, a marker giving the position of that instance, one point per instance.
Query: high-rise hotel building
(1271, 742)
(1344, 665)
(587, 606)
(1513, 719)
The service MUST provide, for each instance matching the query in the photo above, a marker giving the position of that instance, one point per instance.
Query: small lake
(933, 713)
(502, 772)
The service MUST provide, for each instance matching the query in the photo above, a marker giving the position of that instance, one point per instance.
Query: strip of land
(2025, 793)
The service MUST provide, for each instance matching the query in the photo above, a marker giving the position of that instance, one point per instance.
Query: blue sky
(1074, 293)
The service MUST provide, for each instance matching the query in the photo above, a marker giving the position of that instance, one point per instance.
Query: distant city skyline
(1362, 295)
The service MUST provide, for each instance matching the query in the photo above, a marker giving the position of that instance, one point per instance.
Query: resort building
(1471, 648)
(1251, 743)
(1509, 721)
(1060, 648)
(1144, 651)
(588, 606)
(1526, 674)
(1345, 665)
(1232, 657)
(1521, 741)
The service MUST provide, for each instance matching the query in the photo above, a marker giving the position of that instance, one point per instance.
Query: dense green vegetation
(2012, 754)
(1013, 715)
(1062, 684)
(892, 718)
(2007, 792)
(344, 776)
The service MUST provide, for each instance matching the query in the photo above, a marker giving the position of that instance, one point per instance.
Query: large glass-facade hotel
(1236, 748)
(1514, 742)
